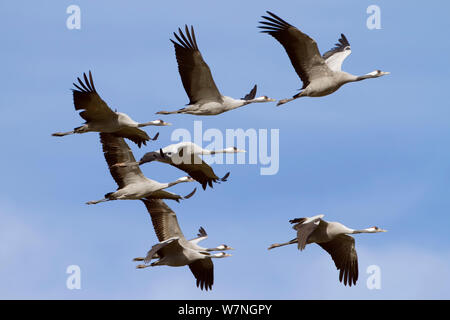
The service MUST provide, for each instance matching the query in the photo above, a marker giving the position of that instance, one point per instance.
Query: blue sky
(373, 153)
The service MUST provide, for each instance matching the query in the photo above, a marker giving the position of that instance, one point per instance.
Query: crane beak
(189, 179)
(162, 123)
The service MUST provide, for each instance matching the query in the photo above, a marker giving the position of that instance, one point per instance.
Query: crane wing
(86, 98)
(251, 95)
(301, 49)
(336, 56)
(155, 248)
(202, 235)
(203, 271)
(116, 150)
(164, 220)
(343, 252)
(194, 166)
(136, 135)
(202, 173)
(304, 227)
(195, 73)
(163, 194)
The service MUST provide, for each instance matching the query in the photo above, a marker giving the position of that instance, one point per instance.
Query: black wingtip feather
(82, 85)
(225, 177)
(87, 86)
(278, 18)
(273, 24)
(277, 21)
(190, 194)
(193, 37)
(86, 81)
(251, 94)
(92, 81)
(185, 39)
(202, 232)
(297, 220)
(155, 137)
(76, 86)
(338, 47)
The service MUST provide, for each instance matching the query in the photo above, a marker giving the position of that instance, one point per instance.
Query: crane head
(376, 230)
(224, 247)
(151, 156)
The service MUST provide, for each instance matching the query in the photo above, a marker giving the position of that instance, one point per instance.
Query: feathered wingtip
(210, 182)
(339, 46)
(251, 95)
(187, 41)
(87, 86)
(343, 41)
(225, 177)
(273, 23)
(297, 220)
(155, 137)
(202, 232)
(190, 194)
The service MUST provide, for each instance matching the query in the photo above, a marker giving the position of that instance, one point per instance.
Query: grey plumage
(174, 250)
(195, 73)
(301, 49)
(321, 75)
(185, 156)
(332, 237)
(100, 118)
(132, 184)
(304, 230)
(204, 96)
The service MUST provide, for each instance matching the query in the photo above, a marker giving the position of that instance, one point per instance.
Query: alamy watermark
(374, 280)
(74, 280)
(73, 21)
(374, 20)
(256, 143)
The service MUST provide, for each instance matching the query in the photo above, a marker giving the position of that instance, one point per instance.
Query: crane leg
(82, 129)
(283, 101)
(62, 134)
(276, 245)
(139, 259)
(142, 266)
(98, 201)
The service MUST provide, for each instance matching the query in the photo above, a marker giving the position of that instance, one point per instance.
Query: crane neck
(230, 103)
(361, 231)
(369, 75)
